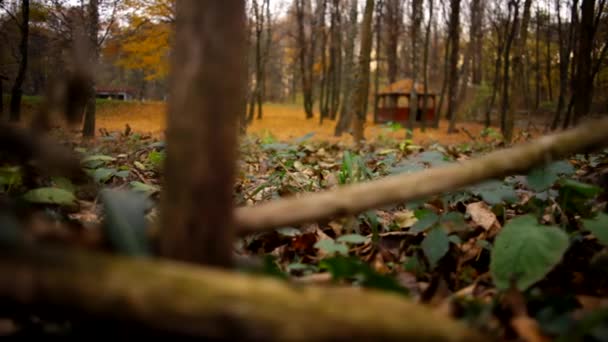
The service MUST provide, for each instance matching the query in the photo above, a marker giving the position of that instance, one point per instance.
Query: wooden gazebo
(393, 103)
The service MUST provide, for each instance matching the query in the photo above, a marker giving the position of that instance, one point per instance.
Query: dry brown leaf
(482, 215)
(405, 218)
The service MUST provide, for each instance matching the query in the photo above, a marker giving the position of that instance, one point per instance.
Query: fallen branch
(356, 198)
(182, 299)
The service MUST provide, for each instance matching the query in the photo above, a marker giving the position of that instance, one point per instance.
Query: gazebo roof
(403, 86)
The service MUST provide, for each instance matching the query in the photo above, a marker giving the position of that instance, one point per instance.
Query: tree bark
(335, 58)
(548, 57)
(454, 33)
(506, 112)
(378, 29)
(565, 49)
(17, 90)
(363, 73)
(346, 115)
(584, 77)
(206, 92)
(394, 15)
(305, 63)
(414, 36)
(425, 66)
(477, 13)
(519, 57)
(88, 129)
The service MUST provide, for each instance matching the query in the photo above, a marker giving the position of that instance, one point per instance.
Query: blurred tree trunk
(378, 30)
(206, 94)
(519, 58)
(393, 19)
(537, 57)
(88, 129)
(454, 34)
(444, 85)
(324, 84)
(17, 90)
(2, 79)
(335, 59)
(565, 50)
(306, 59)
(415, 37)
(506, 113)
(584, 70)
(363, 80)
(348, 84)
(548, 54)
(496, 79)
(425, 66)
(476, 36)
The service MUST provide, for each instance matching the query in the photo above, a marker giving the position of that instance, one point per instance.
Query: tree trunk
(350, 78)
(88, 129)
(584, 77)
(496, 81)
(206, 87)
(394, 13)
(506, 113)
(379, 8)
(454, 33)
(17, 91)
(548, 57)
(425, 66)
(444, 85)
(415, 110)
(565, 50)
(518, 89)
(477, 12)
(335, 58)
(305, 66)
(323, 91)
(537, 66)
(362, 86)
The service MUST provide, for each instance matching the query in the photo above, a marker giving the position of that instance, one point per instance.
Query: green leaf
(435, 245)
(542, 178)
(494, 192)
(453, 221)
(102, 175)
(426, 219)
(583, 189)
(331, 247)
(122, 174)
(10, 176)
(526, 252)
(96, 161)
(347, 268)
(125, 221)
(64, 183)
(598, 226)
(455, 239)
(51, 195)
(145, 188)
(352, 238)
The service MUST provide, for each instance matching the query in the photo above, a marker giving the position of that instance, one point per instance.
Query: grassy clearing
(281, 121)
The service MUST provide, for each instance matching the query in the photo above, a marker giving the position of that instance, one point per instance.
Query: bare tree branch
(353, 199)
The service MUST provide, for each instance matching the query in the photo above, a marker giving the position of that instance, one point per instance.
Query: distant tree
(414, 38)
(566, 36)
(425, 63)
(88, 129)
(363, 72)
(506, 111)
(262, 36)
(306, 47)
(393, 25)
(454, 34)
(349, 77)
(23, 24)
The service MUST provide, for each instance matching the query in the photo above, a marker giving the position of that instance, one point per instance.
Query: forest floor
(285, 122)
(456, 252)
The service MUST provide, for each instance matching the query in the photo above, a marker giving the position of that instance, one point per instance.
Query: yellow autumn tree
(144, 43)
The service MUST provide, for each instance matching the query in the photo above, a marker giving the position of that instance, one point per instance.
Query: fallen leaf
(482, 215)
(405, 218)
